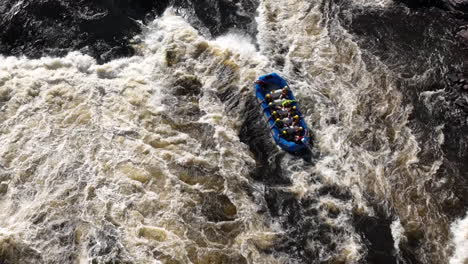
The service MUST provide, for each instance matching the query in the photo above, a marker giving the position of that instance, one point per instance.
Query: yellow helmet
(270, 104)
(296, 117)
(277, 120)
(275, 113)
(285, 132)
(294, 107)
(268, 96)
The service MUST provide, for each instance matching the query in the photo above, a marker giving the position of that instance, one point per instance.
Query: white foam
(398, 234)
(236, 42)
(459, 230)
(373, 3)
(132, 96)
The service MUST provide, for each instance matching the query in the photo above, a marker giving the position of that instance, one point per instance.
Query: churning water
(163, 157)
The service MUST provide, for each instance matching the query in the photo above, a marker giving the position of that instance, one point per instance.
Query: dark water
(420, 45)
(416, 46)
(104, 28)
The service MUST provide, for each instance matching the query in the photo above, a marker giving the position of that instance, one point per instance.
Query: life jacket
(294, 122)
(282, 113)
(276, 94)
(292, 112)
(287, 121)
(298, 139)
(286, 102)
(279, 123)
(277, 102)
(291, 130)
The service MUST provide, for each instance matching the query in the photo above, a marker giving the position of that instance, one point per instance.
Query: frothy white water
(138, 159)
(371, 4)
(238, 43)
(459, 230)
(358, 116)
(104, 162)
(398, 234)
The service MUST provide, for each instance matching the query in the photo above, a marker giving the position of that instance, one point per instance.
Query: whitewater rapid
(139, 160)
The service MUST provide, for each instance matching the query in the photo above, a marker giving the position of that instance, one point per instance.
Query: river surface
(149, 146)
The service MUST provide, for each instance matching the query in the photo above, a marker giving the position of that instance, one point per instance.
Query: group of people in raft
(287, 117)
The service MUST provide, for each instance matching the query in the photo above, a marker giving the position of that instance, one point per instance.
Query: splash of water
(140, 158)
(459, 230)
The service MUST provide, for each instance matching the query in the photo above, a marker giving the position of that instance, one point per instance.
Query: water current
(164, 157)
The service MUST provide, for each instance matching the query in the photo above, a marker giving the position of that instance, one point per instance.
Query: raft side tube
(272, 82)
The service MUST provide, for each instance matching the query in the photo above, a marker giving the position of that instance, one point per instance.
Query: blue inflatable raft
(269, 85)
